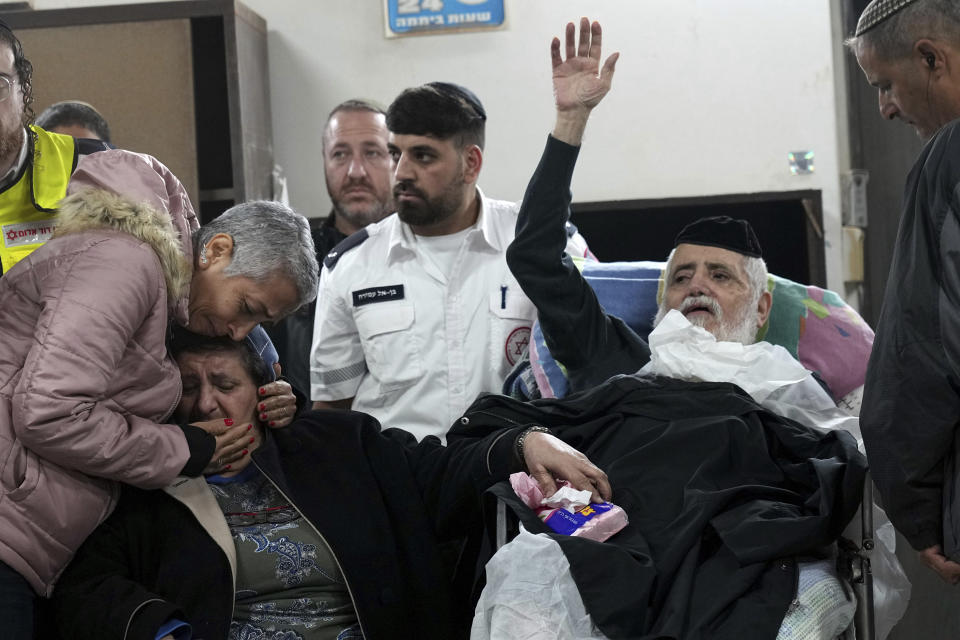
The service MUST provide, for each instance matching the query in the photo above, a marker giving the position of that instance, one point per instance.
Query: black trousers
(17, 601)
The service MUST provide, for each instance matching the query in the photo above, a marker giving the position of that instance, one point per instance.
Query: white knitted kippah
(878, 11)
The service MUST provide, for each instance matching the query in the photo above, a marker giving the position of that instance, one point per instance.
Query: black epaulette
(345, 245)
(572, 230)
(86, 146)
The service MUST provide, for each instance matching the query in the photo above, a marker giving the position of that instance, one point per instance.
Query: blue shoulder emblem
(351, 241)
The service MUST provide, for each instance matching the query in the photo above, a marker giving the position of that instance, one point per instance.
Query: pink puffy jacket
(85, 379)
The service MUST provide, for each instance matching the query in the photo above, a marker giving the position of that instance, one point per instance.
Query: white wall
(709, 95)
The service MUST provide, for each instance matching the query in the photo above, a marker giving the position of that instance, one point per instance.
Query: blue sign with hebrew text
(407, 16)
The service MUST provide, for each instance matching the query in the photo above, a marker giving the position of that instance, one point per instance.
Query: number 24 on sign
(416, 6)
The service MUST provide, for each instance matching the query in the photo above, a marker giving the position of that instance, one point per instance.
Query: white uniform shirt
(412, 346)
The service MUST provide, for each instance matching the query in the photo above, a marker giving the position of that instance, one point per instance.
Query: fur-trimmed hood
(99, 209)
(136, 194)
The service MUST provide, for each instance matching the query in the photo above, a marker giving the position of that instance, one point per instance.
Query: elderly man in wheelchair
(737, 467)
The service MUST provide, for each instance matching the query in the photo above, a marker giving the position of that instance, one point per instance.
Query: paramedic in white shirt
(418, 314)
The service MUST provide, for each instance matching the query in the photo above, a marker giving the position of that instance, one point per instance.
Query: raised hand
(579, 83)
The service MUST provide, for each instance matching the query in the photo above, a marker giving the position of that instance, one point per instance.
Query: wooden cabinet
(186, 82)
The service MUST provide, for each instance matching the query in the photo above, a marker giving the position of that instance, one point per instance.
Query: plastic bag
(891, 587)
(530, 595)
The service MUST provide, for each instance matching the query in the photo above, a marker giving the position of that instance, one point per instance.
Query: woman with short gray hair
(87, 387)
(263, 242)
(266, 238)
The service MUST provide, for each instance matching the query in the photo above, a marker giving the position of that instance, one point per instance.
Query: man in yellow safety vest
(35, 165)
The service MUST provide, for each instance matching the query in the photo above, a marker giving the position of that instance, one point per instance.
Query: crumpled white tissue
(567, 498)
(767, 372)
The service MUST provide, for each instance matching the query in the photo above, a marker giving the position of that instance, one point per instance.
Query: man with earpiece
(910, 51)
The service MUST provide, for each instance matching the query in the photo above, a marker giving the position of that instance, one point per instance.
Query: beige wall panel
(139, 75)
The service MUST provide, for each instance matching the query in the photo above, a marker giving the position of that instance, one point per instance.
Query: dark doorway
(788, 224)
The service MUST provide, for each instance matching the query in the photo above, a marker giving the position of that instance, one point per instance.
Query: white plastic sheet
(767, 372)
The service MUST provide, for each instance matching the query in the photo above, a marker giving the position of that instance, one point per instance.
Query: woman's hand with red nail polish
(279, 407)
(231, 442)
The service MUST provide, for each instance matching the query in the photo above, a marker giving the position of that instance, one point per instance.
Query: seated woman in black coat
(329, 529)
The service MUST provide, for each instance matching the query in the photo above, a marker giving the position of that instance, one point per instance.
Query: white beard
(742, 329)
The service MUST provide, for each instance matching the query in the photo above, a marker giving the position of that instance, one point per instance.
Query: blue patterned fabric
(289, 586)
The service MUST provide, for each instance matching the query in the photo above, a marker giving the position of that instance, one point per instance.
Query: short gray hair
(354, 105)
(893, 39)
(758, 276)
(269, 239)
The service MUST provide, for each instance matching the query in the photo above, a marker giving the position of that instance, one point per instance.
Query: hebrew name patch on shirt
(377, 294)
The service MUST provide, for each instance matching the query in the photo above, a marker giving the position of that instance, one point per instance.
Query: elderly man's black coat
(723, 497)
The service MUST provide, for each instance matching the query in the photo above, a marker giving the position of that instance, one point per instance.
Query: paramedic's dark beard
(426, 211)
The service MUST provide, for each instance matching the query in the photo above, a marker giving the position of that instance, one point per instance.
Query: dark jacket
(293, 336)
(911, 403)
(722, 497)
(394, 501)
(591, 344)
